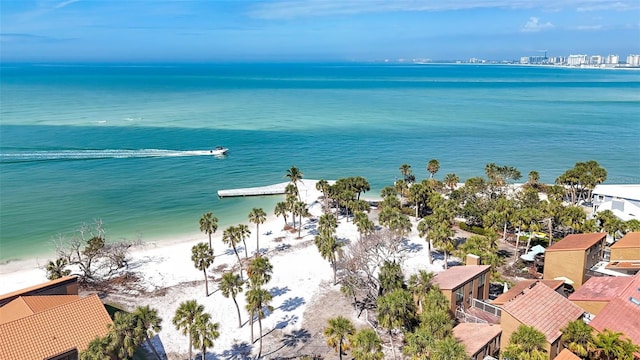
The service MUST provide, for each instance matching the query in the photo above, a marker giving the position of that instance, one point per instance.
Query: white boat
(219, 150)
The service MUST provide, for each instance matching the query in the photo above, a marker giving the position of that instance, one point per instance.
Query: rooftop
(603, 288)
(40, 289)
(630, 240)
(577, 242)
(54, 331)
(544, 309)
(566, 354)
(24, 306)
(455, 276)
(475, 336)
(627, 191)
(621, 315)
(519, 287)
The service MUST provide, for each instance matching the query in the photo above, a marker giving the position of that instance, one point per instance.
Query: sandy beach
(300, 285)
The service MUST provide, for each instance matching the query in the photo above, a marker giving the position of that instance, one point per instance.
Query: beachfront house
(622, 200)
(50, 321)
(573, 256)
(544, 309)
(480, 340)
(462, 284)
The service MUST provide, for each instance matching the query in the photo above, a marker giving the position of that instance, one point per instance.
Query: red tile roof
(565, 354)
(475, 336)
(29, 305)
(55, 330)
(620, 315)
(603, 288)
(455, 276)
(577, 242)
(544, 309)
(630, 240)
(519, 287)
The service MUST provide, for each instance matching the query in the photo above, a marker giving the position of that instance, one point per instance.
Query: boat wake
(48, 155)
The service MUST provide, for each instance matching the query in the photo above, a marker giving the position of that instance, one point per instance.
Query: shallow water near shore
(128, 144)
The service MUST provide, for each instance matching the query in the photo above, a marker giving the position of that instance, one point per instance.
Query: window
(459, 295)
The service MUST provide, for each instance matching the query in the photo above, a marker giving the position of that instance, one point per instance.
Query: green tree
(281, 210)
(185, 317)
(208, 225)
(148, 324)
(122, 338)
(231, 238)
(432, 167)
(204, 332)
(56, 269)
(448, 349)
(396, 310)
(295, 175)
(406, 171)
(328, 246)
(323, 186)
(202, 257)
(259, 271)
(339, 330)
(451, 181)
(366, 345)
(610, 345)
(231, 285)
(577, 337)
(419, 285)
(257, 216)
(258, 300)
(526, 343)
(96, 350)
(390, 277)
(365, 225)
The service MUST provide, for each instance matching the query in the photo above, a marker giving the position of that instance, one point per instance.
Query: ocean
(127, 144)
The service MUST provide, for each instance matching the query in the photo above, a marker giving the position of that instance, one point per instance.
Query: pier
(274, 189)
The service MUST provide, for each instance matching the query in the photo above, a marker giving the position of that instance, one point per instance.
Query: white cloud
(286, 9)
(65, 3)
(588, 27)
(534, 25)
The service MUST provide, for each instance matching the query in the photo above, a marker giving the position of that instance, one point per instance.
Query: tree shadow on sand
(277, 291)
(292, 303)
(411, 247)
(241, 351)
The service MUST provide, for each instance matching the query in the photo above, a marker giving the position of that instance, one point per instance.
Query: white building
(595, 60)
(622, 200)
(576, 60)
(612, 60)
(633, 60)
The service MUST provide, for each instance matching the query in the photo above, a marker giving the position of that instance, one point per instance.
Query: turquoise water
(120, 143)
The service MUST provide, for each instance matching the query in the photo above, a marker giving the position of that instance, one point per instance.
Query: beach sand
(304, 296)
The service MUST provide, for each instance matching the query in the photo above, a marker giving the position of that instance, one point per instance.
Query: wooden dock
(274, 189)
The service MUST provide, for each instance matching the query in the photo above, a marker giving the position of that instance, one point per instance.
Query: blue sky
(313, 30)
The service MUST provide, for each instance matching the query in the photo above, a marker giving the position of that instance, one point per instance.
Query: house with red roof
(50, 321)
(542, 308)
(461, 284)
(571, 257)
(480, 340)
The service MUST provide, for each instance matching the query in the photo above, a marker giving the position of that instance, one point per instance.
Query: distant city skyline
(313, 30)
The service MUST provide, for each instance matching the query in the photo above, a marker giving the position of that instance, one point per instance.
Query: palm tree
(339, 330)
(448, 349)
(258, 300)
(231, 285)
(609, 345)
(208, 225)
(419, 285)
(328, 246)
(281, 210)
(390, 277)
(122, 338)
(365, 225)
(366, 345)
(395, 310)
(451, 181)
(577, 336)
(259, 271)
(243, 232)
(323, 186)
(96, 350)
(257, 216)
(526, 342)
(148, 324)
(204, 332)
(56, 269)
(294, 174)
(405, 170)
(202, 257)
(230, 237)
(432, 167)
(300, 209)
(185, 318)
